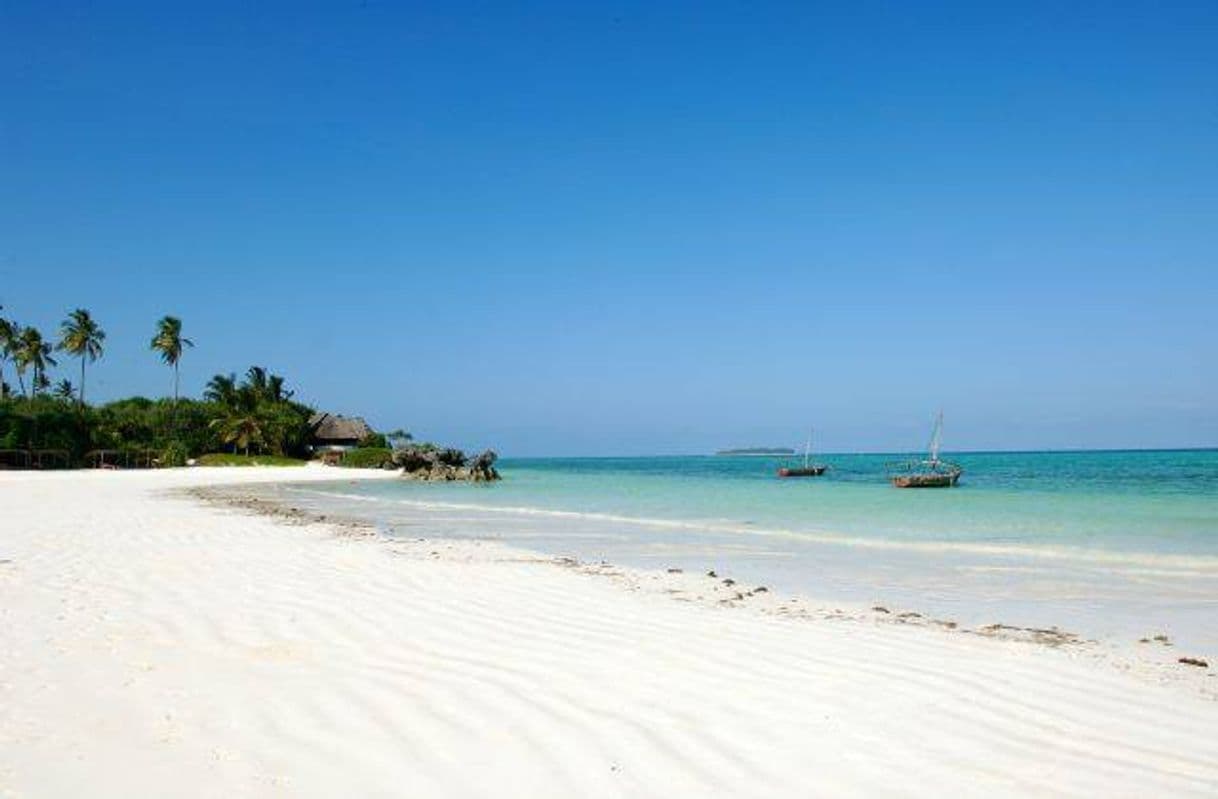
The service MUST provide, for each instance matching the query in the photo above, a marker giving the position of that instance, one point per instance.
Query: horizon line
(1207, 448)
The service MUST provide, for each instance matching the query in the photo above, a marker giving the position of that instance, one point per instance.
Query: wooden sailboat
(932, 472)
(808, 469)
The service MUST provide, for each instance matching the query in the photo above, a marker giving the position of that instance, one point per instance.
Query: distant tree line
(255, 415)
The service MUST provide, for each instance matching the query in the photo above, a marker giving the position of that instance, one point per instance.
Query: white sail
(936, 439)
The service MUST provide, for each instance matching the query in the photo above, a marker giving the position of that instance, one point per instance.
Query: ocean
(1114, 545)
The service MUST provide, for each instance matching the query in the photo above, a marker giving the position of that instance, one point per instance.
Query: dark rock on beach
(418, 463)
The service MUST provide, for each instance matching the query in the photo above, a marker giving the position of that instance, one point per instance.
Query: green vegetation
(255, 420)
(174, 454)
(367, 458)
(139, 424)
(48, 422)
(257, 413)
(31, 353)
(82, 337)
(398, 438)
(229, 459)
(374, 441)
(168, 342)
(8, 344)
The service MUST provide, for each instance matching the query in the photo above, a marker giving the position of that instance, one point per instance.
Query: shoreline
(162, 645)
(1154, 657)
(1069, 553)
(1013, 589)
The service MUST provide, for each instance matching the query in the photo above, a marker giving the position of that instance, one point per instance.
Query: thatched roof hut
(332, 431)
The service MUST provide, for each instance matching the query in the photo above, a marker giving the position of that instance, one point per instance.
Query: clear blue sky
(630, 228)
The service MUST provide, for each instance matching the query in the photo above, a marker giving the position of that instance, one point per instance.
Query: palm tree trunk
(81, 398)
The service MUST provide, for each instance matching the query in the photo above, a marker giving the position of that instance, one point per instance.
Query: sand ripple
(154, 646)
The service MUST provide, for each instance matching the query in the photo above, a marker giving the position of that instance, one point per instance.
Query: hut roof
(332, 427)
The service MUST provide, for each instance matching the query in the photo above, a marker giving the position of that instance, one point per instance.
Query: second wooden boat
(808, 469)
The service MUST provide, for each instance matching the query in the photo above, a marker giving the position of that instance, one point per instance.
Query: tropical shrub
(367, 458)
(229, 459)
(138, 424)
(374, 441)
(174, 454)
(43, 422)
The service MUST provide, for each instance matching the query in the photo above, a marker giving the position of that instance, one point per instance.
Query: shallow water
(1115, 545)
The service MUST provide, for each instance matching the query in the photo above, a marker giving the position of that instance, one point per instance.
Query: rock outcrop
(419, 463)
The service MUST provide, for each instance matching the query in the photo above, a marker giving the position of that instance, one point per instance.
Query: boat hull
(801, 471)
(925, 480)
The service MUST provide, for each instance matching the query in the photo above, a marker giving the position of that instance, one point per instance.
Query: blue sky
(631, 228)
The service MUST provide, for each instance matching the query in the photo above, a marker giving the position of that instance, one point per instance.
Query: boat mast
(936, 438)
(807, 448)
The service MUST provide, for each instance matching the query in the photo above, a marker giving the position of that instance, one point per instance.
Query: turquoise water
(1119, 543)
(1160, 502)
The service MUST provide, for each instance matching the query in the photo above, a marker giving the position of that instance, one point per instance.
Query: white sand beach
(154, 645)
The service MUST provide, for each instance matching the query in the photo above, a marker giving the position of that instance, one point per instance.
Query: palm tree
(254, 412)
(222, 389)
(169, 343)
(255, 379)
(81, 336)
(9, 331)
(276, 391)
(13, 350)
(64, 389)
(33, 352)
(239, 428)
(265, 387)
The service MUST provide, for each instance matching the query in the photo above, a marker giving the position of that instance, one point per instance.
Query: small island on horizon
(757, 451)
